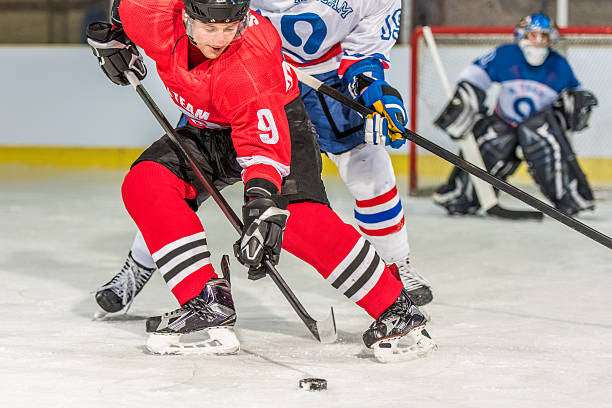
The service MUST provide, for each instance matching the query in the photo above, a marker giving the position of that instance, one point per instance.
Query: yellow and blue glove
(387, 102)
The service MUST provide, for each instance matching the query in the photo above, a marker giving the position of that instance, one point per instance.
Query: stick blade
(501, 212)
(326, 329)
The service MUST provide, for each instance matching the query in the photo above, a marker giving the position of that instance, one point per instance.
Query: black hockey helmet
(217, 11)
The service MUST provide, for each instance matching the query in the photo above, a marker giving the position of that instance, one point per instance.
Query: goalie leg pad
(539, 137)
(497, 143)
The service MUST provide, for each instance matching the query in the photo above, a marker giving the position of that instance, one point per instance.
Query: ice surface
(522, 313)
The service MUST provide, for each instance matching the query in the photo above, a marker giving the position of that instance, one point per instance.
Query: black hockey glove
(573, 108)
(115, 51)
(262, 235)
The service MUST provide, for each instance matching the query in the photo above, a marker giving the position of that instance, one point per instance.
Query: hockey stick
(325, 330)
(469, 147)
(462, 164)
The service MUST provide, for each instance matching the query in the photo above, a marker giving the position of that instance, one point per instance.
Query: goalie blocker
(464, 109)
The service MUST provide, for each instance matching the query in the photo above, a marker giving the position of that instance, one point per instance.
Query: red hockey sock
(155, 198)
(316, 235)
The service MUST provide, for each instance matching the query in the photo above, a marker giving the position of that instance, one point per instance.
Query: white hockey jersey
(324, 35)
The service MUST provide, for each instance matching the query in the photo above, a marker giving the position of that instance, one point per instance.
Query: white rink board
(521, 313)
(57, 96)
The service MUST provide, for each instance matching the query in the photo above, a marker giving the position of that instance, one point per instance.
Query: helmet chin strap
(535, 56)
(188, 24)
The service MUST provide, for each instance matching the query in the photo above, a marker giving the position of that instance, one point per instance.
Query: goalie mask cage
(588, 50)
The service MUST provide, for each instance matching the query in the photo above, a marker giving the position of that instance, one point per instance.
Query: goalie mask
(536, 34)
(216, 11)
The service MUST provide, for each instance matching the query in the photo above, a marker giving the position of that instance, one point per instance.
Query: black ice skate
(399, 333)
(457, 196)
(211, 314)
(121, 290)
(418, 288)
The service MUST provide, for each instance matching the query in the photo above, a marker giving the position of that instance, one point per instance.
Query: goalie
(539, 102)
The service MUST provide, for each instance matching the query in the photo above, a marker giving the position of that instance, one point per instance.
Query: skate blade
(425, 312)
(99, 315)
(221, 340)
(410, 346)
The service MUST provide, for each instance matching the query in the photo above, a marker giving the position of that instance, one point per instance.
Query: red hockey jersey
(245, 88)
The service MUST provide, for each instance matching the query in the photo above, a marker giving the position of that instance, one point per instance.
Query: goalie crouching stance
(539, 102)
(223, 67)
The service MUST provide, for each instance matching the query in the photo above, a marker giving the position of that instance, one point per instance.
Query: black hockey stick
(325, 330)
(462, 164)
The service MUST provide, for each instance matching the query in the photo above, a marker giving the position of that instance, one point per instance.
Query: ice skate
(205, 323)
(119, 293)
(399, 333)
(418, 288)
(447, 197)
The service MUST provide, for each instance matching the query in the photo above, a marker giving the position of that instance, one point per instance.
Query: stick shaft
(310, 323)
(464, 165)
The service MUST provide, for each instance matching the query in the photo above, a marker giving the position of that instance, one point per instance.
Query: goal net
(589, 51)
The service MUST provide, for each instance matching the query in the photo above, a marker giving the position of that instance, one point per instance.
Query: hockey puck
(313, 384)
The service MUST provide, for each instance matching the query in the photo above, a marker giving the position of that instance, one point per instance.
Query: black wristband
(262, 188)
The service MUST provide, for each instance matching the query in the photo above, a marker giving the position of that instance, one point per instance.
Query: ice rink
(521, 313)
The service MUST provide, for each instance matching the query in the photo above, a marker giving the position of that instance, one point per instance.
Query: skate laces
(206, 304)
(201, 307)
(128, 282)
(404, 310)
(410, 277)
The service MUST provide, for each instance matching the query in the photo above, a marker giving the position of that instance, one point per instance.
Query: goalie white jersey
(324, 35)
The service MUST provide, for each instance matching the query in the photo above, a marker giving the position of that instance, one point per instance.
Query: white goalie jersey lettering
(318, 35)
(525, 89)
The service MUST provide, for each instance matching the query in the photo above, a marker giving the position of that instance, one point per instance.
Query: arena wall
(59, 109)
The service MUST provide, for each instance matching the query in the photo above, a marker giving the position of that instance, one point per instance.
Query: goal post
(588, 49)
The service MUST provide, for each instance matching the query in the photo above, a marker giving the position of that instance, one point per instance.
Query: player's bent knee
(149, 182)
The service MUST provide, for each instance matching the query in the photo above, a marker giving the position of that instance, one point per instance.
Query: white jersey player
(345, 44)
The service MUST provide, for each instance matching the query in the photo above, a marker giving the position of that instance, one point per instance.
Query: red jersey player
(223, 67)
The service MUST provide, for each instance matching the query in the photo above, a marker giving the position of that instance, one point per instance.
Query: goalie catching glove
(574, 108)
(389, 121)
(115, 51)
(262, 235)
